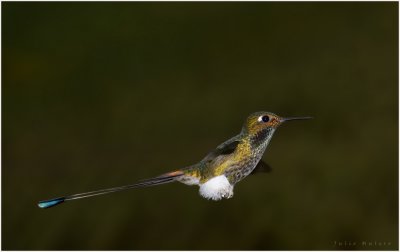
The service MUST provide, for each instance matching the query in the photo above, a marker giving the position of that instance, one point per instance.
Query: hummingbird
(220, 170)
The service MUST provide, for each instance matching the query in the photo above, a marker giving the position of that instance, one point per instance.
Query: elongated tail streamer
(166, 178)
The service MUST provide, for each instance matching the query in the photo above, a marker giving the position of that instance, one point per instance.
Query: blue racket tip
(51, 203)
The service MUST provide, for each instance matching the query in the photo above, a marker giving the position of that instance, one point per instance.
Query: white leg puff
(216, 188)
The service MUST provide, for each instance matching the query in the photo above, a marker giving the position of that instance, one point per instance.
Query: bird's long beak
(295, 118)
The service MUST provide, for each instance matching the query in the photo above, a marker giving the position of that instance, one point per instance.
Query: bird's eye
(263, 118)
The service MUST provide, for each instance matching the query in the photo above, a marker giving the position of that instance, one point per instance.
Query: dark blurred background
(96, 95)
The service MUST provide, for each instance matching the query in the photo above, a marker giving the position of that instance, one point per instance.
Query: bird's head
(260, 121)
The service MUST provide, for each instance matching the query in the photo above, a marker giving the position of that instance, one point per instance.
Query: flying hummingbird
(219, 171)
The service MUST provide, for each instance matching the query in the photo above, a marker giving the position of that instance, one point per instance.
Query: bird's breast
(244, 163)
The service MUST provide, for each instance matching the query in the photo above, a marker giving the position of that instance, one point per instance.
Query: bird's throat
(262, 137)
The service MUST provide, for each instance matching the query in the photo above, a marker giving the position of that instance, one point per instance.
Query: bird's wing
(224, 149)
(261, 167)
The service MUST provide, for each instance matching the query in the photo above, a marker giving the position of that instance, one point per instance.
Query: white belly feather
(216, 188)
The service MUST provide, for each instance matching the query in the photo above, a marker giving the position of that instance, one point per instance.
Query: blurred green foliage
(97, 95)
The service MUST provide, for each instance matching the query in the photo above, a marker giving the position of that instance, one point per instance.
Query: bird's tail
(163, 179)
